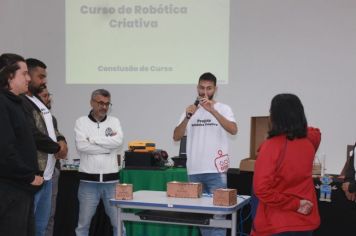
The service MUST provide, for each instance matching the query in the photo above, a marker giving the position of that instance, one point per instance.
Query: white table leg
(119, 222)
(233, 223)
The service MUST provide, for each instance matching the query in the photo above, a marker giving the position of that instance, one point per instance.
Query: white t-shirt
(47, 116)
(207, 141)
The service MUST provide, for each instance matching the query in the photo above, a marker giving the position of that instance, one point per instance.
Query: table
(157, 200)
(66, 217)
(155, 180)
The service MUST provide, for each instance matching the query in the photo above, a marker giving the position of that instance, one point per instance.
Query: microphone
(196, 103)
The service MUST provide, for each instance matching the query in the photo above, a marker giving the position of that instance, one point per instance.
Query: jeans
(50, 225)
(211, 181)
(42, 207)
(16, 211)
(89, 195)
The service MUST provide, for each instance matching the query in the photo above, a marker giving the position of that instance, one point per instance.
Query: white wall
(306, 47)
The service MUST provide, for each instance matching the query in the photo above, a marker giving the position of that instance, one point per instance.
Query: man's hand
(37, 181)
(190, 110)
(63, 150)
(229, 126)
(345, 186)
(207, 104)
(305, 207)
(349, 196)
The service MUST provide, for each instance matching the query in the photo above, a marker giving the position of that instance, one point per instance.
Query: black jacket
(43, 142)
(18, 161)
(350, 172)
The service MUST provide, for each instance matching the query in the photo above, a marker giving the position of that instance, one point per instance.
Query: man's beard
(209, 97)
(36, 90)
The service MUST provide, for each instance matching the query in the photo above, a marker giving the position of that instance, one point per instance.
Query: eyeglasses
(103, 104)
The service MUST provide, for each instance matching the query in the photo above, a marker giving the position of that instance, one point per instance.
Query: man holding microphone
(207, 124)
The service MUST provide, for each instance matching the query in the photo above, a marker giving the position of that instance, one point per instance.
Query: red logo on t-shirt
(222, 162)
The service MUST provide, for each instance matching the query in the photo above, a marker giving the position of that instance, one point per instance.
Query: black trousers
(16, 211)
(296, 233)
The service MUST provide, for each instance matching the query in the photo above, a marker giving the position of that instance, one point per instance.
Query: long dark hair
(287, 117)
(8, 67)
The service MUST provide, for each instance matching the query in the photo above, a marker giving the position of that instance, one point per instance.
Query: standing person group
(31, 147)
(30, 144)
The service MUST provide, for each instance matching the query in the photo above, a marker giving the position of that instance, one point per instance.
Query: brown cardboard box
(259, 130)
(247, 164)
(316, 169)
(123, 192)
(225, 197)
(184, 189)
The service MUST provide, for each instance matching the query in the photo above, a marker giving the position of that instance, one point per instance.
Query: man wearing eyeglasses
(98, 138)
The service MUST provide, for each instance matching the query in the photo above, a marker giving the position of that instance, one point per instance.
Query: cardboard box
(184, 189)
(316, 169)
(258, 133)
(225, 197)
(124, 192)
(247, 164)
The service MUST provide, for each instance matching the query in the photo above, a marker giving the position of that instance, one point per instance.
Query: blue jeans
(211, 181)
(42, 207)
(50, 225)
(89, 195)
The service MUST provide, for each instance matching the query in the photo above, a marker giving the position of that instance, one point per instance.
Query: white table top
(145, 199)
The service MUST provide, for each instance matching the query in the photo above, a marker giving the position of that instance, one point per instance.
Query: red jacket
(280, 187)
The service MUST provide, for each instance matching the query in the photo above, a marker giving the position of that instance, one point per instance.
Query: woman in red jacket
(283, 180)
